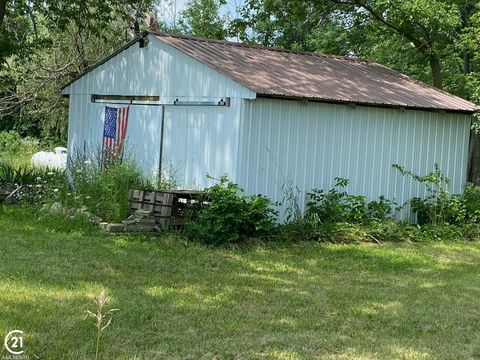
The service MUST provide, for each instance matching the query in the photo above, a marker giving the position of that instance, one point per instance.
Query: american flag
(115, 129)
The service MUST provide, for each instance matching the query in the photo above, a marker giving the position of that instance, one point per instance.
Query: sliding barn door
(143, 138)
(198, 140)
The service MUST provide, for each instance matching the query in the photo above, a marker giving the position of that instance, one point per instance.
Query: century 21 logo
(14, 342)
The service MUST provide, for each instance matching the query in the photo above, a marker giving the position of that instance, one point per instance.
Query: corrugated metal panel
(308, 145)
(277, 72)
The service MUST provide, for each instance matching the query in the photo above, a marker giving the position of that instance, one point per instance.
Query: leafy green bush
(337, 205)
(10, 141)
(471, 203)
(464, 208)
(329, 206)
(439, 207)
(225, 215)
(329, 214)
(380, 209)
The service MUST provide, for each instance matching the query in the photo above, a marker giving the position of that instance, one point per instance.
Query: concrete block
(116, 228)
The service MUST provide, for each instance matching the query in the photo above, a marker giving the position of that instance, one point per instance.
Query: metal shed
(270, 117)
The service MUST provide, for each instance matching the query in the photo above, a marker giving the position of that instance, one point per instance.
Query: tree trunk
(436, 72)
(3, 10)
(473, 175)
(466, 12)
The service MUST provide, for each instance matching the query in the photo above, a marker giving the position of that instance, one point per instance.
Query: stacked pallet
(170, 209)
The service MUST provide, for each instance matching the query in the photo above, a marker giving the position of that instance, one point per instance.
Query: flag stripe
(114, 131)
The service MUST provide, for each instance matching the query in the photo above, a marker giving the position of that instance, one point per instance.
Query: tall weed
(439, 207)
(103, 191)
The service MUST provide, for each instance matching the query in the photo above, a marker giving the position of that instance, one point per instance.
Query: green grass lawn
(179, 300)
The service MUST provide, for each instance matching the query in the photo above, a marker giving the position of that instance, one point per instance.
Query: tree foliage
(202, 18)
(46, 43)
(29, 24)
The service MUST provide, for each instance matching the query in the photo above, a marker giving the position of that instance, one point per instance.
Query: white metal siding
(309, 144)
(197, 140)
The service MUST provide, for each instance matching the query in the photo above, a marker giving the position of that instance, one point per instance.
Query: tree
(31, 101)
(433, 27)
(46, 43)
(202, 18)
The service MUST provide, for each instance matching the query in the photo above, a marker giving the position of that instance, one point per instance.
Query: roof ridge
(260, 47)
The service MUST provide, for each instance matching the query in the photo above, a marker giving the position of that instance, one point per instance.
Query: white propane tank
(56, 160)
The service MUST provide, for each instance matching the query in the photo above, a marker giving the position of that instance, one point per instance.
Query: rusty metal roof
(293, 74)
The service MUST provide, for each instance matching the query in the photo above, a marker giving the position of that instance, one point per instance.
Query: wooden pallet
(169, 208)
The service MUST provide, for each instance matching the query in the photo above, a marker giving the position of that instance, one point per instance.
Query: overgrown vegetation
(103, 191)
(433, 208)
(16, 150)
(337, 205)
(225, 215)
(439, 207)
(100, 192)
(85, 187)
(337, 216)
